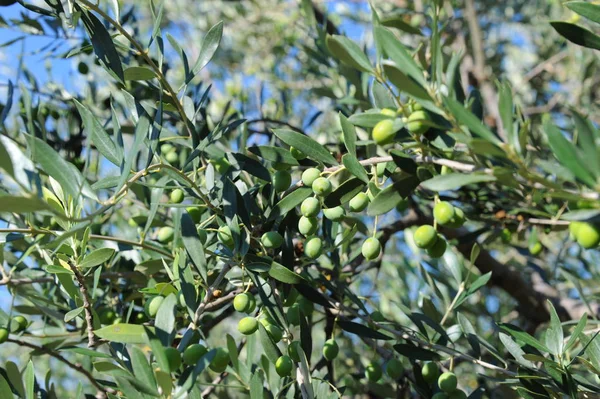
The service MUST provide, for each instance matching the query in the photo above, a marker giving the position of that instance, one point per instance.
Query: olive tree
(428, 230)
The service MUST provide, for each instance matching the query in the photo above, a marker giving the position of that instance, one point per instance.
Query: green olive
(330, 349)
(274, 332)
(417, 122)
(294, 350)
(430, 372)
(226, 237)
(221, 165)
(220, 361)
(588, 235)
(313, 247)
(438, 248)
(172, 157)
(310, 175)
(335, 214)
(244, 302)
(448, 382)
(177, 196)
(371, 248)
(248, 325)
(284, 366)
(293, 315)
(3, 335)
(195, 213)
(394, 369)
(173, 358)
(322, 187)
(272, 240)
(18, 324)
(152, 305)
(310, 207)
(443, 212)
(373, 372)
(536, 248)
(425, 236)
(359, 202)
(193, 353)
(165, 234)
(307, 226)
(388, 112)
(383, 132)
(282, 180)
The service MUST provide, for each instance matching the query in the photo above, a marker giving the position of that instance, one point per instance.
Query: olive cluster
(16, 325)
(417, 122)
(426, 237)
(447, 383)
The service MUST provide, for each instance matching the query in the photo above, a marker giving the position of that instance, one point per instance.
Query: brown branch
(74, 366)
(40, 280)
(87, 306)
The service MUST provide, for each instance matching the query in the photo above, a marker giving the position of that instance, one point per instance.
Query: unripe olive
(271, 240)
(321, 187)
(535, 248)
(330, 349)
(371, 248)
(307, 226)
(574, 227)
(430, 372)
(359, 202)
(373, 372)
(458, 220)
(588, 235)
(244, 302)
(18, 324)
(294, 350)
(417, 122)
(140, 318)
(506, 235)
(172, 157)
(152, 305)
(248, 325)
(107, 316)
(83, 68)
(313, 247)
(266, 320)
(310, 175)
(274, 332)
(224, 235)
(165, 234)
(167, 147)
(293, 315)
(438, 248)
(193, 353)
(220, 361)
(177, 196)
(448, 382)
(3, 335)
(221, 164)
(282, 180)
(281, 166)
(425, 236)
(284, 366)
(296, 153)
(195, 213)
(383, 132)
(394, 369)
(458, 394)
(310, 207)
(335, 214)
(173, 358)
(440, 395)
(443, 212)
(388, 112)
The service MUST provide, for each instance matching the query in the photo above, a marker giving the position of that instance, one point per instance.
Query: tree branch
(87, 306)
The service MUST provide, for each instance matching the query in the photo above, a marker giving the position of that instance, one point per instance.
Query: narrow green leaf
(586, 9)
(587, 138)
(506, 109)
(307, 145)
(576, 332)
(22, 204)
(514, 349)
(405, 83)
(290, 201)
(98, 135)
(354, 167)
(367, 119)
(349, 132)
(70, 315)
(361, 330)
(566, 153)
(139, 73)
(165, 320)
(256, 387)
(524, 337)
(103, 45)
(274, 154)
(97, 257)
(392, 195)
(348, 52)
(5, 160)
(577, 34)
(480, 282)
(465, 117)
(123, 333)
(270, 349)
(453, 181)
(210, 44)
(285, 275)
(554, 334)
(29, 379)
(141, 367)
(193, 245)
(63, 172)
(399, 54)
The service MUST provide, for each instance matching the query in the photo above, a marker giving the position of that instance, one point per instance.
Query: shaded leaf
(361, 330)
(307, 145)
(97, 257)
(577, 34)
(348, 52)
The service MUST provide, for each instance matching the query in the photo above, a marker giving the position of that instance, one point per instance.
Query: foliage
(423, 227)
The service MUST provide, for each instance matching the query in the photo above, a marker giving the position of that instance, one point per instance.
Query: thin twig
(74, 366)
(87, 306)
